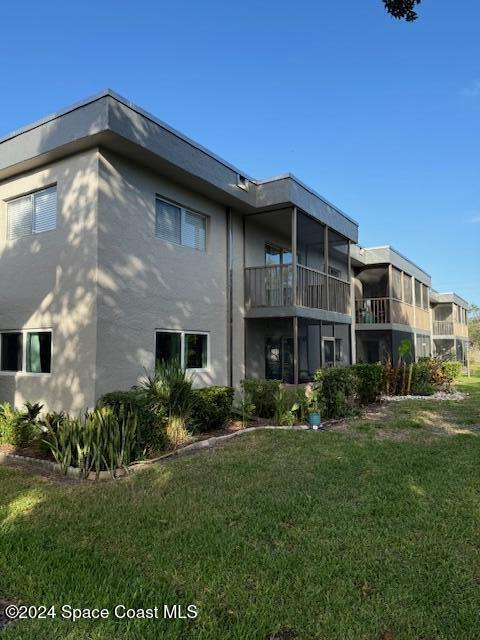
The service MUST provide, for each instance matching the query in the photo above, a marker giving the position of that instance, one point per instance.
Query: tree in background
(402, 9)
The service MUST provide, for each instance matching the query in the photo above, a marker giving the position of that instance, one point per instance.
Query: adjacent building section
(392, 303)
(450, 326)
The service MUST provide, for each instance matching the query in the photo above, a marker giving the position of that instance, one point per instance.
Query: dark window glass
(39, 352)
(195, 351)
(276, 255)
(12, 350)
(167, 347)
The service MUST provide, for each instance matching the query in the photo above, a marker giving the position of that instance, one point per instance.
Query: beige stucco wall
(48, 280)
(145, 283)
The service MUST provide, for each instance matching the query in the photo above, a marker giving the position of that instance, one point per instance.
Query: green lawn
(372, 533)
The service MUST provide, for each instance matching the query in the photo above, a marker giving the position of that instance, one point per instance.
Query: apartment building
(123, 242)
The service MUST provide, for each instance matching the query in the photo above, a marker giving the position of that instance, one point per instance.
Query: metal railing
(442, 328)
(272, 286)
(269, 286)
(372, 311)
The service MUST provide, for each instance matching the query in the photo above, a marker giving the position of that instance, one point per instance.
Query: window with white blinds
(31, 214)
(176, 224)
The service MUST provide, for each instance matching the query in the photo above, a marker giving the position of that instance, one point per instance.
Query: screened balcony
(293, 261)
(386, 295)
(450, 319)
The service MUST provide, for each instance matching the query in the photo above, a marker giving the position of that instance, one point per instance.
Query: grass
(367, 534)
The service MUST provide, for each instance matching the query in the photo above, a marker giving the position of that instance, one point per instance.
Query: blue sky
(380, 117)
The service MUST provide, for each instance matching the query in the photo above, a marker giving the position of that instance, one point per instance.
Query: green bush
(369, 382)
(451, 372)
(262, 394)
(18, 428)
(212, 407)
(169, 393)
(98, 440)
(337, 388)
(151, 426)
(423, 378)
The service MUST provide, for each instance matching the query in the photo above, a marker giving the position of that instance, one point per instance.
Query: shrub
(285, 409)
(337, 388)
(100, 439)
(262, 394)
(423, 378)
(369, 382)
(18, 428)
(212, 407)
(169, 392)
(451, 371)
(151, 425)
(244, 409)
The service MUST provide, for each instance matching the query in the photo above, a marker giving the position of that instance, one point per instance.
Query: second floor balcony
(385, 295)
(295, 265)
(273, 286)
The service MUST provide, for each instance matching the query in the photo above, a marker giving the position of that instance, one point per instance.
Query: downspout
(230, 253)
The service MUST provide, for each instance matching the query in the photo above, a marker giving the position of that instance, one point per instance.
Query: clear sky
(380, 117)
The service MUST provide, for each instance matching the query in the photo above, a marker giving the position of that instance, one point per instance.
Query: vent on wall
(242, 182)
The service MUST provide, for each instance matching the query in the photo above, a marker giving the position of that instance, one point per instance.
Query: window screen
(396, 284)
(407, 289)
(418, 293)
(425, 297)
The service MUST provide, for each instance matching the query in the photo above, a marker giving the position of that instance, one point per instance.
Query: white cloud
(473, 91)
(475, 219)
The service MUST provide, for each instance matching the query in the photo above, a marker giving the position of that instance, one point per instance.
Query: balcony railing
(443, 328)
(272, 285)
(372, 311)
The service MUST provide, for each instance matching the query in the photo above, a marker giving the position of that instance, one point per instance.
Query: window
(32, 214)
(26, 351)
(38, 352)
(334, 272)
(189, 349)
(12, 349)
(178, 225)
(277, 255)
(195, 351)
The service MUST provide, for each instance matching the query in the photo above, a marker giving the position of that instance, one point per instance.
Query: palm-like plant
(170, 390)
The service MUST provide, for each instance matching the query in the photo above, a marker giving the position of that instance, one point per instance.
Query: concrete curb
(199, 445)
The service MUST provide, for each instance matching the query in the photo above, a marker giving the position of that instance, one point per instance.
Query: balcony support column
(295, 349)
(294, 255)
(295, 292)
(326, 261)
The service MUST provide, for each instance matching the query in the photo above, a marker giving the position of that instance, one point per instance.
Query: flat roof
(121, 117)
